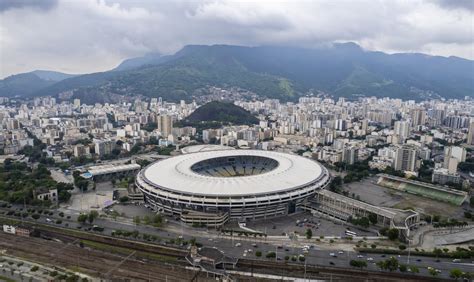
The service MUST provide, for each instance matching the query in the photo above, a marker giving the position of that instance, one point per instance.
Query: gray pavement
(319, 254)
(288, 225)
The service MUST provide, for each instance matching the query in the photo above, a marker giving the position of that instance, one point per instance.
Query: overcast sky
(82, 36)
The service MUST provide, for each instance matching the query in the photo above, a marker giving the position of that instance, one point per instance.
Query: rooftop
(175, 174)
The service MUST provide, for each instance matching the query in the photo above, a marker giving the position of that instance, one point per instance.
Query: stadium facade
(211, 187)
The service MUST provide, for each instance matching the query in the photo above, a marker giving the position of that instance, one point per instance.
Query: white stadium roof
(175, 174)
(204, 148)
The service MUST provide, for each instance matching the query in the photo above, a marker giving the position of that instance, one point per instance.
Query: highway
(236, 246)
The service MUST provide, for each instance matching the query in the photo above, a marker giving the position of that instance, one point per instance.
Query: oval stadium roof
(175, 174)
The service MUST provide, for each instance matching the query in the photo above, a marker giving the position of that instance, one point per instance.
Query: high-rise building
(340, 124)
(350, 155)
(418, 117)
(456, 121)
(405, 159)
(81, 150)
(365, 125)
(77, 103)
(470, 134)
(453, 155)
(402, 129)
(104, 147)
(165, 124)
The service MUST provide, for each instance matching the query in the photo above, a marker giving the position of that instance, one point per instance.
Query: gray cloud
(456, 4)
(19, 4)
(81, 36)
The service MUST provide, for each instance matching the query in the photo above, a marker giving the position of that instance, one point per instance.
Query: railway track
(92, 262)
(284, 269)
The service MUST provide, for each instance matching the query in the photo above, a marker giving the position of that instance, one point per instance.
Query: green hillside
(215, 114)
(278, 72)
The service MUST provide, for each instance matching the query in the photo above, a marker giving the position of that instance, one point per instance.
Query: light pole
(408, 258)
(276, 253)
(305, 269)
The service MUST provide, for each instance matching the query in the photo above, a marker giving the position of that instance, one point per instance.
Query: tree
(146, 220)
(136, 220)
(402, 268)
(358, 263)
(437, 252)
(258, 254)
(432, 271)
(392, 234)
(82, 218)
(402, 247)
(467, 214)
(157, 220)
(414, 269)
(455, 273)
(373, 218)
(271, 255)
(383, 231)
(309, 233)
(92, 216)
(390, 264)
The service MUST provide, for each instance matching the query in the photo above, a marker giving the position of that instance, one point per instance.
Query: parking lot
(132, 210)
(91, 199)
(288, 225)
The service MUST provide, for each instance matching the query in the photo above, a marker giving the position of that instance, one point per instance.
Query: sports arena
(211, 187)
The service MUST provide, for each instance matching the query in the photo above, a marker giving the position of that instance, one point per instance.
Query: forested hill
(279, 72)
(216, 114)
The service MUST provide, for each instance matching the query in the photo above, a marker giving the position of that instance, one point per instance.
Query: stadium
(211, 187)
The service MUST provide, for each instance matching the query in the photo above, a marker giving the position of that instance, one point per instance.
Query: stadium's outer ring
(171, 186)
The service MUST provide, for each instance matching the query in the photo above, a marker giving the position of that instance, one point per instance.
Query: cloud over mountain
(95, 35)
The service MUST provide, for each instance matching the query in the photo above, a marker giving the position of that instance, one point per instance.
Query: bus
(350, 233)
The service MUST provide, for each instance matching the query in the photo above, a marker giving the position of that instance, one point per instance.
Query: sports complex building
(211, 187)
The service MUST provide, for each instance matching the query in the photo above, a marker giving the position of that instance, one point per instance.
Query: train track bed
(117, 265)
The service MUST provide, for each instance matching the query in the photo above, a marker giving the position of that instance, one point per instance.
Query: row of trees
(391, 233)
(450, 223)
(88, 217)
(155, 220)
(80, 182)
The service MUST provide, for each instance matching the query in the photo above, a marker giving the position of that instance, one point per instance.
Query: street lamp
(408, 258)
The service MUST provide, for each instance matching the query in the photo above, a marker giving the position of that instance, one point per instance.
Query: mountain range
(286, 73)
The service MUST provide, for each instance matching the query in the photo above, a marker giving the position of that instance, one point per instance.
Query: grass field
(438, 195)
(6, 279)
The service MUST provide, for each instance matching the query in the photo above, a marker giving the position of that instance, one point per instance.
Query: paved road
(316, 255)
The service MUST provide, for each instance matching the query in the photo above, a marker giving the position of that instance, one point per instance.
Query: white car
(332, 254)
(238, 245)
(370, 259)
(340, 252)
(360, 256)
